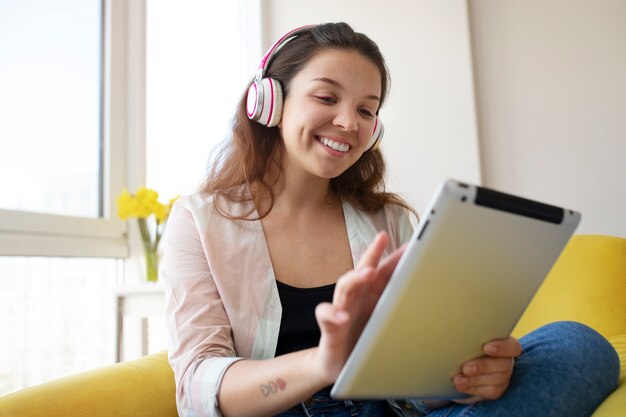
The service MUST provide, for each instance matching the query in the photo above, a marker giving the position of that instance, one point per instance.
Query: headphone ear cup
(377, 135)
(254, 102)
(265, 102)
(276, 107)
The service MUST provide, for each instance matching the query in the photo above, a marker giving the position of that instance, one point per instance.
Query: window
(56, 161)
(50, 71)
(60, 248)
(73, 134)
(196, 73)
(54, 319)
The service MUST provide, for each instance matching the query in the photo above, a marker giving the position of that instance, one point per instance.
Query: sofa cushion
(587, 284)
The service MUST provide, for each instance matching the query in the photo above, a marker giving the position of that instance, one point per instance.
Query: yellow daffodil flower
(144, 205)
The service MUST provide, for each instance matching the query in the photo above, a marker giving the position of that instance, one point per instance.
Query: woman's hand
(356, 294)
(488, 377)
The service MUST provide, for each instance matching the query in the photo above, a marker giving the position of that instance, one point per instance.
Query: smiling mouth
(337, 146)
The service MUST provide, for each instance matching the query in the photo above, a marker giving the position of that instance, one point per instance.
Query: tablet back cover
(471, 268)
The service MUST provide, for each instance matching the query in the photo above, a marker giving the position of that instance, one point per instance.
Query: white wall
(430, 126)
(550, 96)
(551, 89)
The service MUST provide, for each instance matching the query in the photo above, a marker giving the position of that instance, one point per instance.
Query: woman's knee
(576, 348)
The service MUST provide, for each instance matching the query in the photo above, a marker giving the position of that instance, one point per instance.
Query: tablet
(468, 273)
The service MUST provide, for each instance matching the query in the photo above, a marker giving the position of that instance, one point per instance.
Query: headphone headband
(280, 42)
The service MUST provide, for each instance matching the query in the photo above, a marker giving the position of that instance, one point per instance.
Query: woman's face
(329, 114)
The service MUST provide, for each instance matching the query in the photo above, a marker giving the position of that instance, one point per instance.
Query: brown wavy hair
(252, 155)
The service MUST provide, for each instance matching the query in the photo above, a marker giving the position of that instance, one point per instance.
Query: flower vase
(152, 265)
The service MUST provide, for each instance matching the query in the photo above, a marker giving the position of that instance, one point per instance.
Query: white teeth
(341, 147)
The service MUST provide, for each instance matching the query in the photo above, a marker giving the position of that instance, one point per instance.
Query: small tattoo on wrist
(273, 387)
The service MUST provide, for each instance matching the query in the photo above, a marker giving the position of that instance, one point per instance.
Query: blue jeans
(322, 405)
(566, 369)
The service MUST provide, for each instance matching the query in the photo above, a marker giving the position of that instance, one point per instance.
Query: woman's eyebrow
(338, 85)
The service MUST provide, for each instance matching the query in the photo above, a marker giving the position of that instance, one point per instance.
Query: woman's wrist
(319, 369)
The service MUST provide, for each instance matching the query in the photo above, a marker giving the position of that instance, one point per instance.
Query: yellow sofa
(587, 284)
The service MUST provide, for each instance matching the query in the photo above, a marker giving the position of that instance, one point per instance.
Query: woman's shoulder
(390, 212)
(397, 220)
(194, 204)
(402, 220)
(196, 200)
(200, 212)
(229, 200)
(397, 211)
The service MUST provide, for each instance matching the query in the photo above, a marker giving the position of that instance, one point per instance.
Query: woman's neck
(295, 195)
(300, 193)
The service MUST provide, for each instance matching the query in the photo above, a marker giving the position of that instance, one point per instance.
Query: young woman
(273, 268)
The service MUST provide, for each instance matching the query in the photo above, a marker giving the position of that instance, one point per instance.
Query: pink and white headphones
(265, 95)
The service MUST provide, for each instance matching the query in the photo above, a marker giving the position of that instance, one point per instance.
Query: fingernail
(341, 315)
(460, 379)
(491, 349)
(364, 270)
(470, 369)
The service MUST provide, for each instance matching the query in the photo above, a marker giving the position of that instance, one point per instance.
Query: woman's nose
(346, 119)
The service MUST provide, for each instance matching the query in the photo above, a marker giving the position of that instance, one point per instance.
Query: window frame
(122, 121)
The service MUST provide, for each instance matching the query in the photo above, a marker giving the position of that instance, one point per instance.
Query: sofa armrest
(141, 387)
(614, 405)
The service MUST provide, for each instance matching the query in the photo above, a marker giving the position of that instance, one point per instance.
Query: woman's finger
(488, 391)
(487, 365)
(349, 285)
(464, 383)
(374, 251)
(486, 377)
(329, 317)
(503, 348)
(487, 386)
(385, 269)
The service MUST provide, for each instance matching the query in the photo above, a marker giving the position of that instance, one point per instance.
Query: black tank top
(298, 327)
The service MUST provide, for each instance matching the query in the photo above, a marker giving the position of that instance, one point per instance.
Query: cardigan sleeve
(200, 342)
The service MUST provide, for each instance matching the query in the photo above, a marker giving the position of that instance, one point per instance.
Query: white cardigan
(221, 294)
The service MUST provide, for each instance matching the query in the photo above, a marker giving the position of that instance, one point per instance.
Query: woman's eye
(366, 112)
(326, 99)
